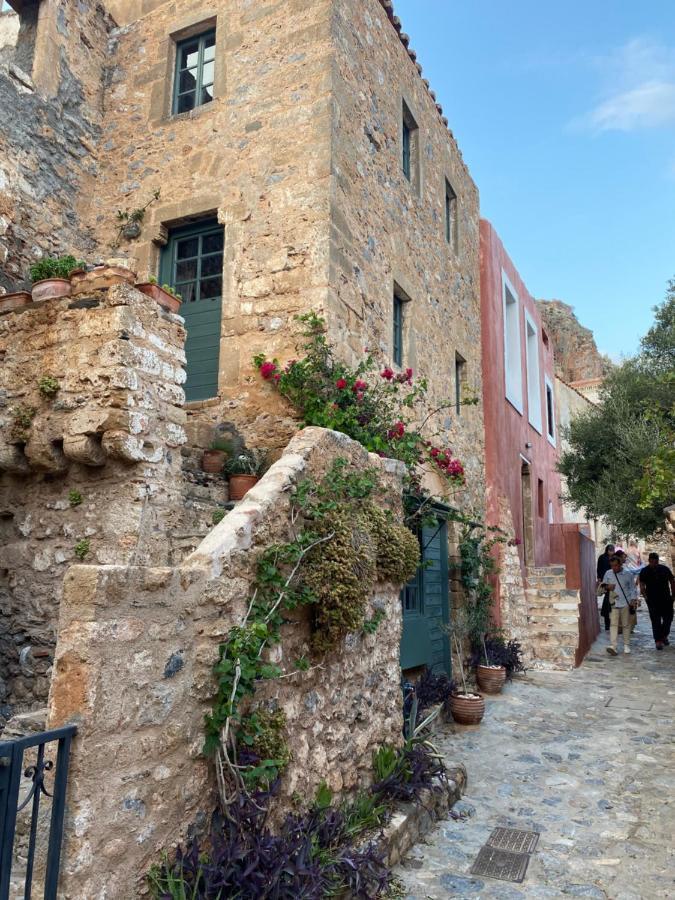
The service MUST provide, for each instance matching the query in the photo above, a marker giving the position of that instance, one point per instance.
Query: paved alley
(587, 758)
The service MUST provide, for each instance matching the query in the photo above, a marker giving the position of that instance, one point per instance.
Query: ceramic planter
(491, 678)
(213, 461)
(164, 298)
(241, 484)
(467, 709)
(100, 278)
(17, 300)
(51, 289)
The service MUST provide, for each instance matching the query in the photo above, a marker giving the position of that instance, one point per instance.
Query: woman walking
(603, 566)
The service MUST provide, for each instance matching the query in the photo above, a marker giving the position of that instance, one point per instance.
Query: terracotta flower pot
(213, 461)
(241, 484)
(491, 678)
(17, 300)
(467, 709)
(164, 298)
(101, 278)
(51, 289)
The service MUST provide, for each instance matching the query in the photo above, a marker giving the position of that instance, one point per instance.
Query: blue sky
(565, 114)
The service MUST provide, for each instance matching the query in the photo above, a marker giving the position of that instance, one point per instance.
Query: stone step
(547, 580)
(551, 593)
(546, 570)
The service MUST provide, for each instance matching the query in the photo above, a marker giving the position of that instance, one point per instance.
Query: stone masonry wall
(133, 669)
(51, 101)
(111, 435)
(386, 230)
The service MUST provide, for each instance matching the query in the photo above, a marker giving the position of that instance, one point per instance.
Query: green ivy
(48, 386)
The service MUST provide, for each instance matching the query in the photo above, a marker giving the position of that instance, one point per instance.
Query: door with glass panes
(192, 263)
(426, 605)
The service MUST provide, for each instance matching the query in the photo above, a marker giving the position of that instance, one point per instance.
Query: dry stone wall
(92, 468)
(133, 669)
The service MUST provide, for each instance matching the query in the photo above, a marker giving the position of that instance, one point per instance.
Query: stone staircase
(553, 618)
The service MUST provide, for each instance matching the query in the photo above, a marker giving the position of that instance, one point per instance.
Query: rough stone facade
(134, 665)
(94, 466)
(576, 354)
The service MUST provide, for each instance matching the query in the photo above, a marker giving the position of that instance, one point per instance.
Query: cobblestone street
(586, 758)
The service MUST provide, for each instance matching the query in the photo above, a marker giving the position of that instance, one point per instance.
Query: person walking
(623, 597)
(627, 566)
(657, 586)
(603, 566)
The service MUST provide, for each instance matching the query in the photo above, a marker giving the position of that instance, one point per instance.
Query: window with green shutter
(195, 70)
(192, 263)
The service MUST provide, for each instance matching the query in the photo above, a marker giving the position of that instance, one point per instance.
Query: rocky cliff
(576, 354)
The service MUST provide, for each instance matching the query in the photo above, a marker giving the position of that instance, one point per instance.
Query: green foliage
(218, 515)
(82, 548)
(620, 464)
(385, 761)
(170, 290)
(478, 565)
(262, 734)
(246, 462)
(372, 404)
(74, 497)
(370, 626)
(365, 812)
(398, 549)
(22, 419)
(55, 267)
(301, 664)
(48, 386)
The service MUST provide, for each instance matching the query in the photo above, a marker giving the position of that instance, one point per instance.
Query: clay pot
(51, 289)
(491, 678)
(101, 278)
(17, 300)
(467, 709)
(240, 485)
(213, 460)
(164, 298)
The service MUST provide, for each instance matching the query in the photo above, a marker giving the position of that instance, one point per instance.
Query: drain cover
(501, 864)
(514, 839)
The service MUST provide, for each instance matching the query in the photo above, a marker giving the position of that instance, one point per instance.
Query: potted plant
(490, 675)
(101, 278)
(467, 707)
(214, 458)
(244, 470)
(495, 661)
(165, 295)
(51, 277)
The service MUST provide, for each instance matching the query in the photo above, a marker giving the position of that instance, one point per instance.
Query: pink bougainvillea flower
(387, 373)
(341, 384)
(434, 452)
(276, 377)
(359, 396)
(360, 385)
(409, 375)
(397, 431)
(267, 370)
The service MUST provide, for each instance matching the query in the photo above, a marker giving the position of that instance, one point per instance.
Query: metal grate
(503, 865)
(514, 839)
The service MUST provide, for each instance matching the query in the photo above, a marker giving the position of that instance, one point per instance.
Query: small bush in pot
(51, 276)
(495, 660)
(466, 707)
(244, 470)
(213, 460)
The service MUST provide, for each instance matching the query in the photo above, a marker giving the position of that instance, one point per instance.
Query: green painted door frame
(192, 263)
(426, 605)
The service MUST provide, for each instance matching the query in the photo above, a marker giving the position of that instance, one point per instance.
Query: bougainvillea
(384, 410)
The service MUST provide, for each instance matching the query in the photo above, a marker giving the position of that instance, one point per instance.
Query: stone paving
(587, 758)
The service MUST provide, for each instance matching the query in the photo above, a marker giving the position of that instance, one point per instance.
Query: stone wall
(133, 669)
(51, 88)
(95, 466)
(576, 354)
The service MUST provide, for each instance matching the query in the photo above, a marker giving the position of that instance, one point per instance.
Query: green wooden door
(192, 263)
(426, 606)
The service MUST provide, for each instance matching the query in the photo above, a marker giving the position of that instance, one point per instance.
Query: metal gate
(23, 789)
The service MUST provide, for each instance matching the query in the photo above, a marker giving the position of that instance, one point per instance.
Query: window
(540, 498)
(460, 380)
(192, 263)
(398, 330)
(451, 235)
(195, 69)
(410, 153)
(513, 371)
(551, 516)
(550, 412)
(533, 373)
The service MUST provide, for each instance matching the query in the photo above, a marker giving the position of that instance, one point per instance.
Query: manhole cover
(501, 864)
(514, 839)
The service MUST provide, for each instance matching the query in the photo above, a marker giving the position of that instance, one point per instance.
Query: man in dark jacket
(657, 585)
(603, 568)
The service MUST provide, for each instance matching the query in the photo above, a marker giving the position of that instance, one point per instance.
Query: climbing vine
(342, 544)
(478, 565)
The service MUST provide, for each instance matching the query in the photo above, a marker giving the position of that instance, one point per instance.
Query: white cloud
(639, 90)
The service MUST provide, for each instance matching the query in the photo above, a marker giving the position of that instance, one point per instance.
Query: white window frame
(513, 363)
(533, 372)
(552, 439)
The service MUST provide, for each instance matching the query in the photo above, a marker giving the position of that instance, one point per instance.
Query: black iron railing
(15, 780)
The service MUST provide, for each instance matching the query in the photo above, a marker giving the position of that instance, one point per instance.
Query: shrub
(82, 548)
(433, 688)
(499, 653)
(55, 267)
(74, 497)
(22, 419)
(48, 386)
